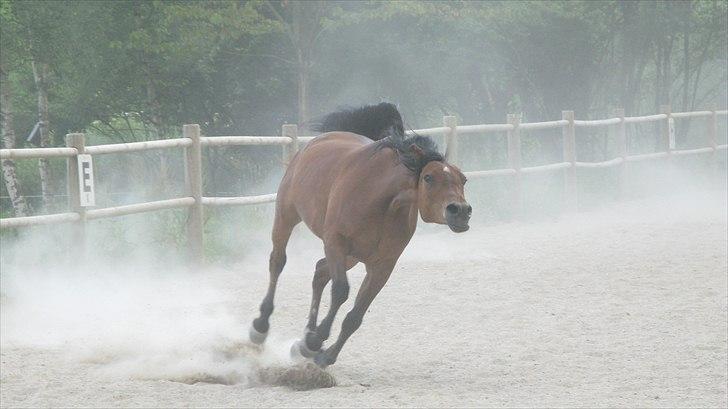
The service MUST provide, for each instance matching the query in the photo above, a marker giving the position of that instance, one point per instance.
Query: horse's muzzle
(457, 216)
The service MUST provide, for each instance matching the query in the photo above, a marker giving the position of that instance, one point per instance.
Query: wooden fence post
(194, 184)
(451, 138)
(668, 136)
(290, 131)
(569, 137)
(78, 239)
(713, 142)
(514, 162)
(621, 142)
(668, 139)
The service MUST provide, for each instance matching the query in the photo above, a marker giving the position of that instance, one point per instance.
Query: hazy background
(136, 70)
(124, 71)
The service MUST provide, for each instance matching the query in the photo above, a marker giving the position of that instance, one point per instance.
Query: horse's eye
(428, 178)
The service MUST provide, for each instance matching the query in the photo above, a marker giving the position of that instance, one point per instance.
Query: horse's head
(441, 196)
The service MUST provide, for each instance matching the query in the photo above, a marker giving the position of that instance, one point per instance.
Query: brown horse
(360, 193)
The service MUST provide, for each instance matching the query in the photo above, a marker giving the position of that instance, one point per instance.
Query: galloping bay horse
(359, 187)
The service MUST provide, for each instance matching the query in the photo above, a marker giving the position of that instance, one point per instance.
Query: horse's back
(306, 186)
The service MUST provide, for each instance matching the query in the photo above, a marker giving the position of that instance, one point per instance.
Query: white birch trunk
(20, 205)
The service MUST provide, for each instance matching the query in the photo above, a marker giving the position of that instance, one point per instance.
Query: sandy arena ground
(623, 306)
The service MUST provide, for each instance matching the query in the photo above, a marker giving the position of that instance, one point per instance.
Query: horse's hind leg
(282, 227)
(321, 278)
(377, 276)
(336, 261)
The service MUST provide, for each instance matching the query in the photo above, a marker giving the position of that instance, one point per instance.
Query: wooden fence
(192, 142)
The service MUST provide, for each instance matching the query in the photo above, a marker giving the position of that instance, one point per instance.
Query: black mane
(383, 123)
(414, 152)
(376, 122)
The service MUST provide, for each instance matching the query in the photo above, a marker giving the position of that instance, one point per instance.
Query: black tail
(373, 121)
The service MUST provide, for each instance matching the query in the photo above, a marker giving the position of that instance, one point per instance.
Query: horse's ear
(417, 151)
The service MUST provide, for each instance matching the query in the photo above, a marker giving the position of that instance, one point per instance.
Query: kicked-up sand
(619, 307)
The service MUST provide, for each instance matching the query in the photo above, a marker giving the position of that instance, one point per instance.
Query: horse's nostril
(452, 208)
(468, 210)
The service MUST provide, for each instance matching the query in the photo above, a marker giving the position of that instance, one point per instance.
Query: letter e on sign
(86, 181)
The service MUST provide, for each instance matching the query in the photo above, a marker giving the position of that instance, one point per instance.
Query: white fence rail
(193, 142)
(137, 146)
(36, 153)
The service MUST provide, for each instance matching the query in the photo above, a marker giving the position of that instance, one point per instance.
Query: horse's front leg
(377, 275)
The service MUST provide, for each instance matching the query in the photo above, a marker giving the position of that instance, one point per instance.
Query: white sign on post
(86, 181)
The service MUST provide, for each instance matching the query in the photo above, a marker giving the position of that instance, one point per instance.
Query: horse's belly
(314, 221)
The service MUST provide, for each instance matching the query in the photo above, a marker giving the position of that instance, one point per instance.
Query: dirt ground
(623, 306)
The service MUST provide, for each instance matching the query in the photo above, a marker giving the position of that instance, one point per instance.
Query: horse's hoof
(257, 337)
(323, 360)
(312, 341)
(299, 348)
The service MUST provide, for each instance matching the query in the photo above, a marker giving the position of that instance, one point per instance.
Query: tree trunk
(156, 124)
(153, 103)
(637, 84)
(686, 67)
(305, 27)
(20, 205)
(683, 127)
(303, 82)
(40, 75)
(630, 53)
(667, 72)
(658, 78)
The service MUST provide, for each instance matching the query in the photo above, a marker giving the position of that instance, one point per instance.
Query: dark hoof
(256, 337)
(313, 341)
(323, 360)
